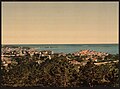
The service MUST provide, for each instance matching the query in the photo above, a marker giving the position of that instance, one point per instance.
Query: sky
(60, 22)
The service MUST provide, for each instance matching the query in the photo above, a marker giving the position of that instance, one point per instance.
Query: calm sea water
(70, 48)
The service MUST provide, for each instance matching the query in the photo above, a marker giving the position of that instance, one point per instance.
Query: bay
(70, 48)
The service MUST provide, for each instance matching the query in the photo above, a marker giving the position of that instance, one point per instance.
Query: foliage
(58, 72)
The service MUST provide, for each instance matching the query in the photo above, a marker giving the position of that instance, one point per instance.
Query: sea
(71, 48)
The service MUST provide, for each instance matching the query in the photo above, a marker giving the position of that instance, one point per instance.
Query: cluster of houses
(8, 53)
(85, 55)
(90, 54)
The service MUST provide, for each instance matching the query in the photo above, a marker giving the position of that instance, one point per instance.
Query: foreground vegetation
(58, 72)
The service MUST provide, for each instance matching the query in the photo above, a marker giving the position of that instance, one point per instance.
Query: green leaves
(58, 72)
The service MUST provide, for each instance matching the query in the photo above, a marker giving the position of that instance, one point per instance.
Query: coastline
(49, 65)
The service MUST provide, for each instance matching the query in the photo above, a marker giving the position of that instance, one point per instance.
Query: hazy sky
(59, 23)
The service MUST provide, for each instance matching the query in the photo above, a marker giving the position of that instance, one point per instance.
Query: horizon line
(55, 43)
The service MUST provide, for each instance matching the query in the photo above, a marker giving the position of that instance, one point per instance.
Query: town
(26, 67)
(12, 55)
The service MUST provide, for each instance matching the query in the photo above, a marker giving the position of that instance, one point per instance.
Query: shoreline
(34, 65)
